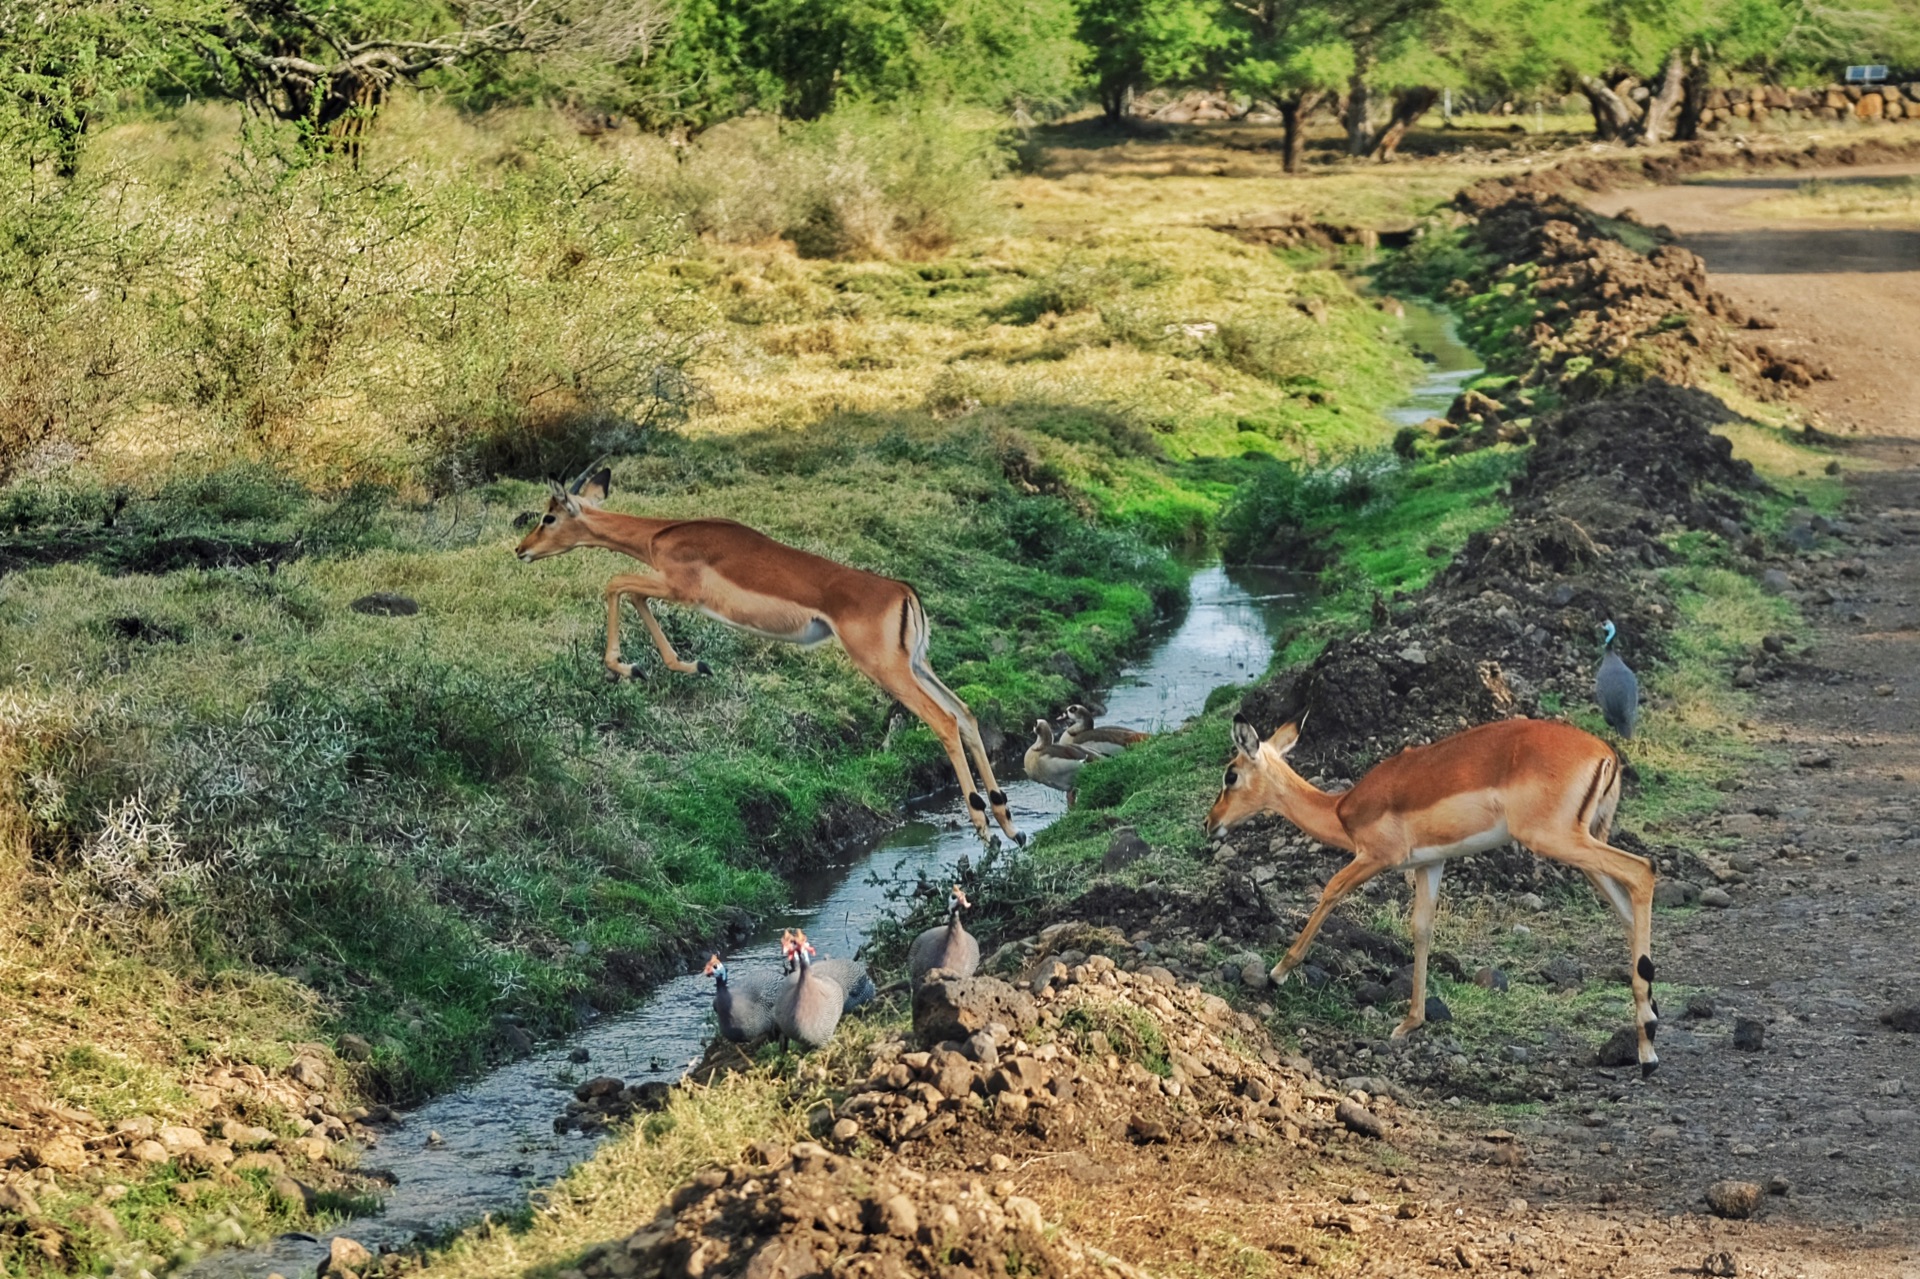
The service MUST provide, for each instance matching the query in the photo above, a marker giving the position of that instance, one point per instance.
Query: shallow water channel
(496, 1138)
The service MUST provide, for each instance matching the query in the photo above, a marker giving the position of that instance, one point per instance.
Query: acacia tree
(330, 63)
(1292, 52)
(1133, 43)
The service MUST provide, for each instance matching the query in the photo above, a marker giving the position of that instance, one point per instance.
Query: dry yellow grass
(1852, 199)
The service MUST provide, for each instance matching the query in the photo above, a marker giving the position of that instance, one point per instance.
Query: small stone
(1368, 993)
(1733, 1199)
(1904, 1018)
(1720, 1265)
(177, 1137)
(1743, 863)
(1437, 1009)
(1490, 979)
(62, 1153)
(896, 1216)
(1563, 973)
(1700, 1007)
(845, 1130)
(1749, 1034)
(313, 1149)
(1883, 690)
(1746, 677)
(17, 1199)
(355, 1048)
(151, 1152)
(1254, 976)
(1359, 1119)
(385, 604)
(599, 1086)
(1716, 897)
(1531, 901)
(1778, 1185)
(344, 1256)
(1775, 582)
(292, 1195)
(1815, 759)
(1621, 1049)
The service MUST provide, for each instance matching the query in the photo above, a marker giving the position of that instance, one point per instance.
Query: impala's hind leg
(947, 729)
(970, 734)
(1625, 882)
(640, 587)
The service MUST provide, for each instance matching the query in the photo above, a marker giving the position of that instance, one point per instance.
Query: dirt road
(1821, 940)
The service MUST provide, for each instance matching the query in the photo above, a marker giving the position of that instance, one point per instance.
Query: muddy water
(495, 1136)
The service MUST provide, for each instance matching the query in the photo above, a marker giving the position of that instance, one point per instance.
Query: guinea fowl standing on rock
(809, 1008)
(1098, 741)
(1052, 764)
(848, 974)
(948, 946)
(1616, 689)
(744, 1006)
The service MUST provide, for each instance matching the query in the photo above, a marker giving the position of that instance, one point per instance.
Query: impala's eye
(1232, 777)
(548, 520)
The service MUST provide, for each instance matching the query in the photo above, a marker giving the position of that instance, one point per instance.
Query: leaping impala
(744, 578)
(1542, 784)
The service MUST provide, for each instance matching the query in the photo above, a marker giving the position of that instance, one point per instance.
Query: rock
(1904, 1018)
(313, 1149)
(1700, 1006)
(1734, 1199)
(18, 1200)
(309, 1073)
(1254, 976)
(1437, 1009)
(1124, 848)
(1621, 1049)
(345, 1256)
(385, 604)
(599, 1086)
(1367, 993)
(292, 1195)
(844, 1131)
(1359, 1119)
(1563, 973)
(1746, 677)
(63, 1152)
(580, 1056)
(1720, 1265)
(1490, 979)
(1531, 901)
(980, 1047)
(245, 1136)
(151, 1152)
(1749, 1034)
(1716, 897)
(949, 1007)
(1743, 864)
(261, 1161)
(1670, 893)
(894, 1216)
(355, 1048)
(176, 1138)
(1775, 582)
(1815, 759)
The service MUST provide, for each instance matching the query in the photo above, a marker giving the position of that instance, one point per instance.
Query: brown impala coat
(744, 578)
(1545, 785)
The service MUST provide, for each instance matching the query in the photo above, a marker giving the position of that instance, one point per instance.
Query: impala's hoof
(1020, 838)
(701, 668)
(1278, 976)
(1648, 1067)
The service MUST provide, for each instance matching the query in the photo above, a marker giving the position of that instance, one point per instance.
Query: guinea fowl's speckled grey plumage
(1617, 691)
(848, 974)
(809, 1008)
(948, 946)
(743, 1004)
(1105, 742)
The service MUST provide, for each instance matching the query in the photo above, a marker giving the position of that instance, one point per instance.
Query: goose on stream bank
(1052, 764)
(1097, 741)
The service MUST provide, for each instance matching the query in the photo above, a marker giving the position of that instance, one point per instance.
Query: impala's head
(1252, 784)
(560, 528)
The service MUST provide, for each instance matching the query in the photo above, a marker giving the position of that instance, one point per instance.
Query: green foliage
(1286, 499)
(1134, 43)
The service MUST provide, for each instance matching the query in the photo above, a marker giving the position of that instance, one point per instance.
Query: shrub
(1288, 497)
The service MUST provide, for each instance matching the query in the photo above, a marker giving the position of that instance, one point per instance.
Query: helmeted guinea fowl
(948, 945)
(743, 1004)
(1097, 741)
(1616, 689)
(809, 1007)
(1052, 764)
(849, 974)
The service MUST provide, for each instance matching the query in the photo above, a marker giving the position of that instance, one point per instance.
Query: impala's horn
(595, 481)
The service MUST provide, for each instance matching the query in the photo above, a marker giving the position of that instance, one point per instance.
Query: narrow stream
(496, 1137)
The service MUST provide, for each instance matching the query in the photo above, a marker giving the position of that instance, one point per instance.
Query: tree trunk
(1653, 125)
(1360, 101)
(1408, 106)
(1613, 115)
(1294, 111)
(1117, 100)
(1693, 101)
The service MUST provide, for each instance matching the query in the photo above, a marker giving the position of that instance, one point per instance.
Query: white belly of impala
(1492, 837)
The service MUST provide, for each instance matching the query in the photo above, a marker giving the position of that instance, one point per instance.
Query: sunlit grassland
(1861, 198)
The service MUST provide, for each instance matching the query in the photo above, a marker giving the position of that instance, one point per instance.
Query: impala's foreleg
(1345, 880)
(1626, 883)
(1426, 895)
(640, 587)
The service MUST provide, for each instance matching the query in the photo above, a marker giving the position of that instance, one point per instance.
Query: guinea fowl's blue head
(1608, 631)
(716, 969)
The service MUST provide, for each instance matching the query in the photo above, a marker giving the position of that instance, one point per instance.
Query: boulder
(1734, 1199)
(63, 1152)
(948, 1007)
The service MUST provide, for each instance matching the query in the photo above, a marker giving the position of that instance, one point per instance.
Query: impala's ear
(1287, 736)
(593, 489)
(1246, 738)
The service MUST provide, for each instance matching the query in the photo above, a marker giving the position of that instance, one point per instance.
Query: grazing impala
(1545, 785)
(746, 579)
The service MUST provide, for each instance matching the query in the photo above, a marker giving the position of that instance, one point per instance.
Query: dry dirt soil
(1821, 941)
